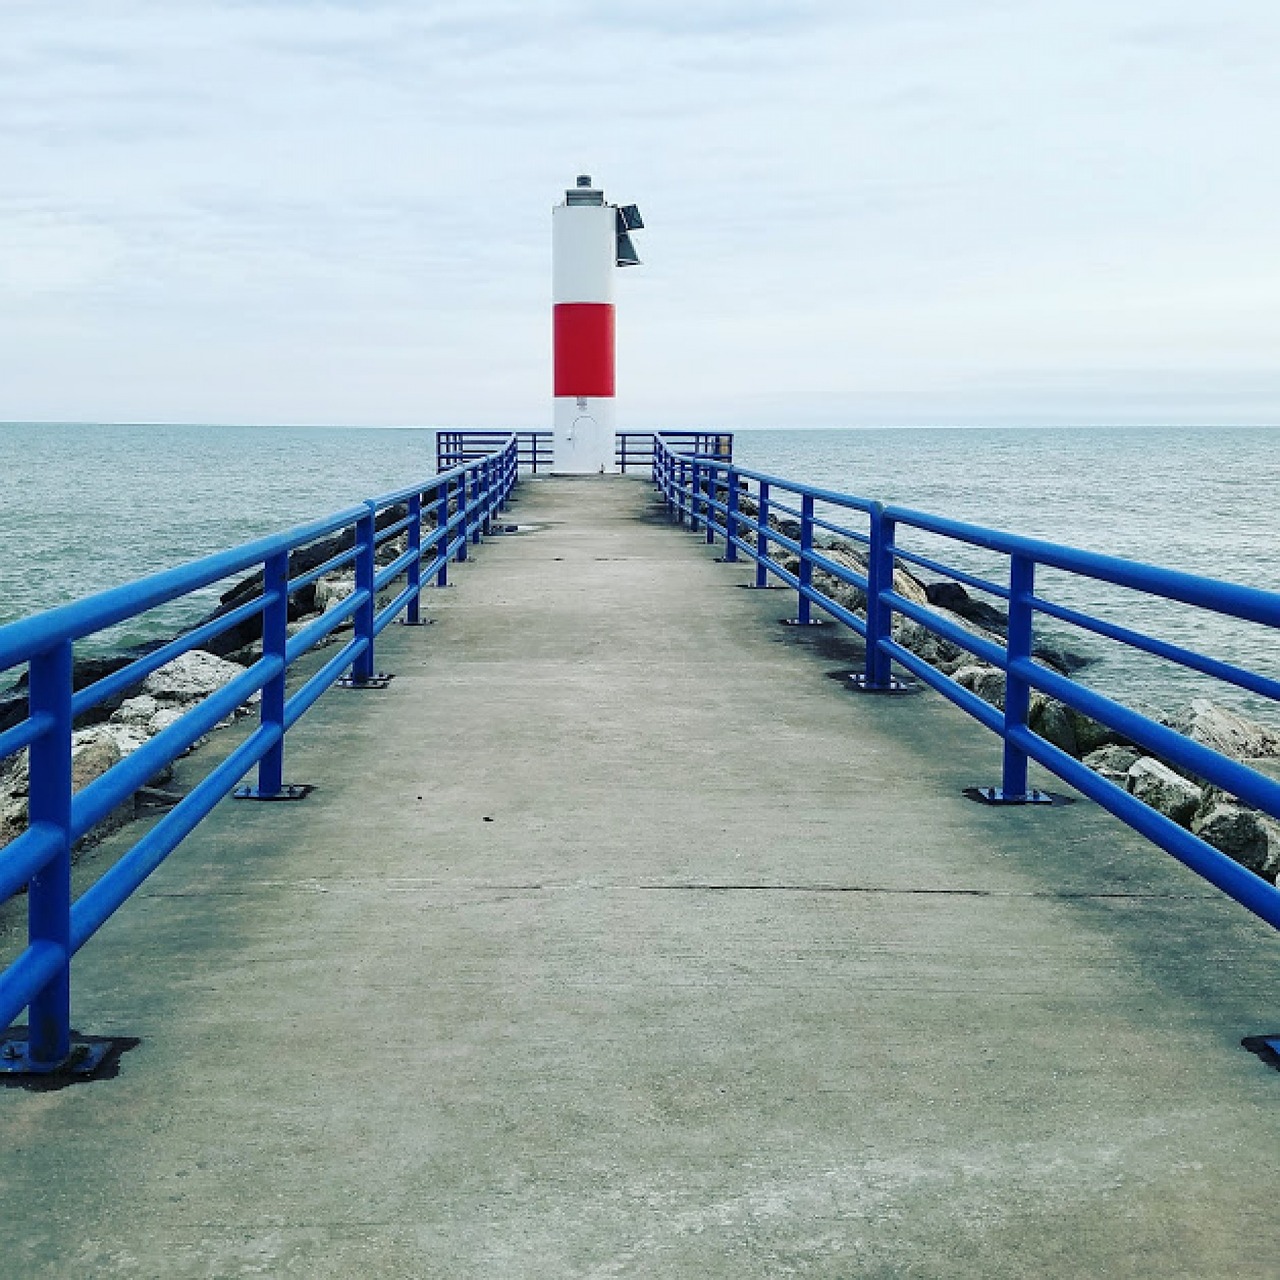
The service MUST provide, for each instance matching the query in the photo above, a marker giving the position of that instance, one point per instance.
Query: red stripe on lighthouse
(583, 348)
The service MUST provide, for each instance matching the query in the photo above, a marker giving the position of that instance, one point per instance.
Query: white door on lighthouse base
(584, 440)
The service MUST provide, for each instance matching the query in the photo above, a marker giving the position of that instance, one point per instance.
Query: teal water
(1203, 500)
(84, 507)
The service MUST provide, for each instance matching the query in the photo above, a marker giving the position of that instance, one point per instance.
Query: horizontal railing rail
(761, 517)
(437, 520)
(457, 448)
(633, 452)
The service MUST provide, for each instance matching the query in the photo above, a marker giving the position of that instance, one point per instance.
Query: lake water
(1203, 500)
(83, 507)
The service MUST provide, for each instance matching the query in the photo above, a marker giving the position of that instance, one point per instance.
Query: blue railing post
(414, 615)
(49, 891)
(695, 483)
(731, 519)
(275, 636)
(475, 506)
(713, 491)
(486, 482)
(878, 667)
(463, 512)
(1017, 692)
(806, 563)
(762, 534)
(366, 535)
(443, 533)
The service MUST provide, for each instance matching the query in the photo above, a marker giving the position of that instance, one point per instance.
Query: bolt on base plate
(290, 791)
(858, 682)
(421, 622)
(994, 796)
(379, 680)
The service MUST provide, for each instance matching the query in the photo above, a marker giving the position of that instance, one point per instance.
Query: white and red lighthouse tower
(588, 240)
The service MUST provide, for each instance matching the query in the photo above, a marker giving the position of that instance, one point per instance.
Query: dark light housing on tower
(627, 219)
(627, 256)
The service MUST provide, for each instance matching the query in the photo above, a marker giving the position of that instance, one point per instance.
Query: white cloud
(857, 212)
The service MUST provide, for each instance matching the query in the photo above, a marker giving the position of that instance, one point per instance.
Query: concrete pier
(617, 939)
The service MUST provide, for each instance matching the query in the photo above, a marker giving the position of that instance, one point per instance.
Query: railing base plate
(859, 684)
(290, 791)
(994, 796)
(420, 622)
(802, 622)
(761, 586)
(87, 1054)
(379, 680)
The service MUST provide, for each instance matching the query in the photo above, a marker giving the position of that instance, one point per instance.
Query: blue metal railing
(633, 450)
(461, 502)
(708, 494)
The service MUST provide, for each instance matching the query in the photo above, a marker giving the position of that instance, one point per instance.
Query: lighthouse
(589, 238)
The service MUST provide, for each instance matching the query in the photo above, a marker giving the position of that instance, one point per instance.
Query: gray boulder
(1239, 832)
(191, 677)
(139, 719)
(955, 599)
(1113, 762)
(1046, 716)
(93, 752)
(13, 797)
(1059, 654)
(1051, 720)
(334, 588)
(1226, 731)
(934, 649)
(987, 682)
(937, 650)
(1157, 785)
(1091, 735)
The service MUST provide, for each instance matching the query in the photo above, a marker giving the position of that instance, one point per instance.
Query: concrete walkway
(618, 940)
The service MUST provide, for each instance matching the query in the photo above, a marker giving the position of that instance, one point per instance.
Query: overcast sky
(860, 212)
